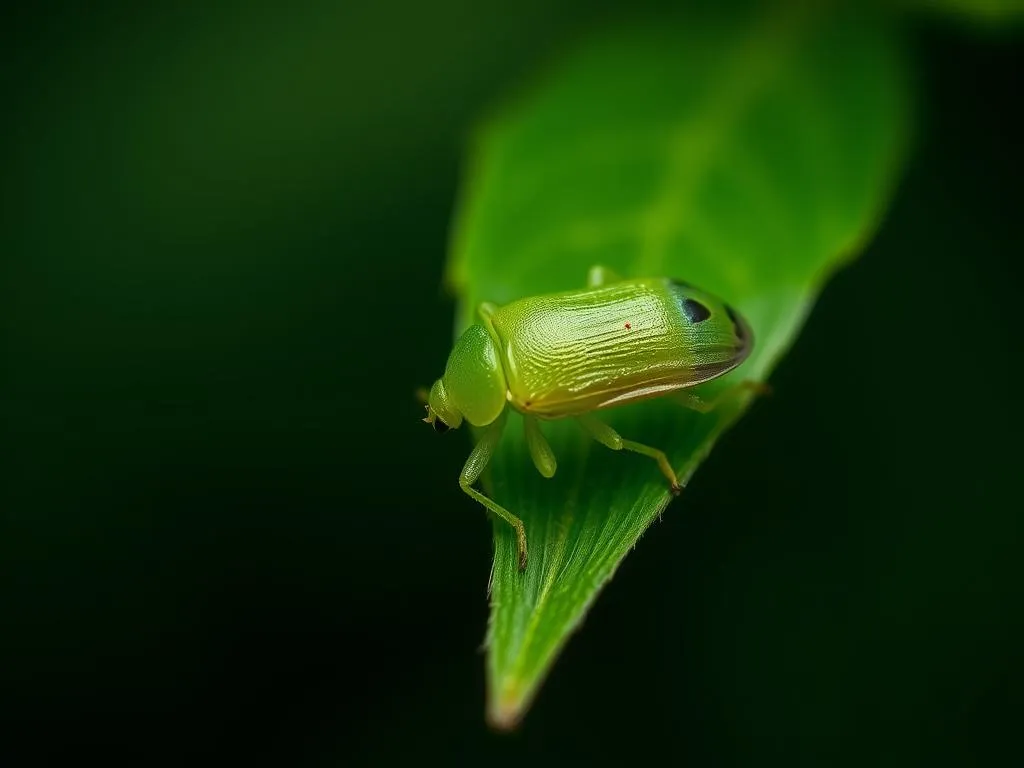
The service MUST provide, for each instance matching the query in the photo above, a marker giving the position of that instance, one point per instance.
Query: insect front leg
(600, 275)
(607, 436)
(689, 399)
(485, 309)
(474, 467)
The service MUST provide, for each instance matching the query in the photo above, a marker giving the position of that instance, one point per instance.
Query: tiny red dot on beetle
(628, 326)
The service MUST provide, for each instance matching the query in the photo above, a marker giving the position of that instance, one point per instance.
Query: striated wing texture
(577, 351)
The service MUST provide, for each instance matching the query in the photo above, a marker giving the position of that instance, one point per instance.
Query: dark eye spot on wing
(736, 324)
(695, 311)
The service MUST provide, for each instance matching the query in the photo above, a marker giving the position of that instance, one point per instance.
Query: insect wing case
(578, 351)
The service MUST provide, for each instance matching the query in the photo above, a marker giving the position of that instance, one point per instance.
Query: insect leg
(540, 451)
(609, 437)
(600, 275)
(689, 399)
(471, 472)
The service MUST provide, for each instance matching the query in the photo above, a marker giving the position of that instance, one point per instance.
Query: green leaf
(748, 154)
(988, 14)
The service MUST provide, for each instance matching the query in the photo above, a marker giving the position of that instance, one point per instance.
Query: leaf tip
(505, 708)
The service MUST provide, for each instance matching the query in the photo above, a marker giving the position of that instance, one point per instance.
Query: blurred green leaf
(984, 13)
(750, 155)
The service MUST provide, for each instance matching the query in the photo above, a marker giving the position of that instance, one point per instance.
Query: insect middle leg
(474, 467)
(540, 451)
(607, 436)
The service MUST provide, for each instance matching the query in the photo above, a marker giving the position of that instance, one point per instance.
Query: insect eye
(440, 426)
(695, 311)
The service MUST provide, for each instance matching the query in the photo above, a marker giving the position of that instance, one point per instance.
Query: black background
(226, 535)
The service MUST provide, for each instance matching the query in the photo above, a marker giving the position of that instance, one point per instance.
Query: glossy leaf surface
(750, 155)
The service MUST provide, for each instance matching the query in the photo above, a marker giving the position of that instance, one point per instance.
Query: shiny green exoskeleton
(566, 355)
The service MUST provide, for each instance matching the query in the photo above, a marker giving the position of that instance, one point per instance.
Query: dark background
(225, 534)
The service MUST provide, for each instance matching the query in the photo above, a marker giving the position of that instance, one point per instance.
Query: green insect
(566, 355)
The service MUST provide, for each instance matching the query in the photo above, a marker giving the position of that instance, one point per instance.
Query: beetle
(569, 354)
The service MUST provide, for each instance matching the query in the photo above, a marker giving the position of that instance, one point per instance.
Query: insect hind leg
(608, 437)
(691, 400)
